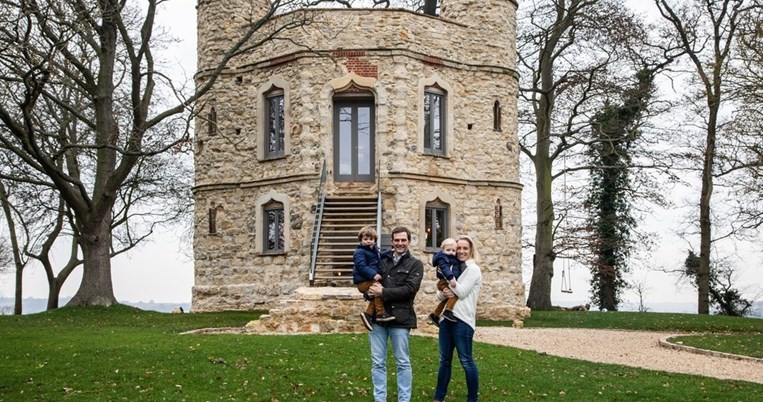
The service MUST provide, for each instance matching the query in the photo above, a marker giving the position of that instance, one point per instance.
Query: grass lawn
(746, 344)
(121, 353)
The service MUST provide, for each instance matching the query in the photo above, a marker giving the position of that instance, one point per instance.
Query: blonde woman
(459, 335)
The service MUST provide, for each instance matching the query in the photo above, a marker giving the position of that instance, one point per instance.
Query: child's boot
(385, 317)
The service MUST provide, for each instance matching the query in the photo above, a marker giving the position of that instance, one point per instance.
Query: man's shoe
(367, 319)
(434, 319)
(385, 317)
(448, 315)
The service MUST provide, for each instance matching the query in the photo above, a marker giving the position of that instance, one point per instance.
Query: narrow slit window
(497, 116)
(212, 220)
(212, 122)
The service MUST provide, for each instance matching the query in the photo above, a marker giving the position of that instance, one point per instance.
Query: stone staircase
(343, 217)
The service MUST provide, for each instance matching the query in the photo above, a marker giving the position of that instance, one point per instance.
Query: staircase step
(343, 216)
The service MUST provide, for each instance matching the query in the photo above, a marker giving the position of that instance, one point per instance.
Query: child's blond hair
(448, 242)
(368, 231)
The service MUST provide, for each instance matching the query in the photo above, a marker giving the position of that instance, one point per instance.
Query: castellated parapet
(393, 63)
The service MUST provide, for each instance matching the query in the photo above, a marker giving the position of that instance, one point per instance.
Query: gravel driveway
(627, 348)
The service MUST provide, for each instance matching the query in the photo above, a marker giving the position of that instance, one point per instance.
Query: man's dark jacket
(401, 281)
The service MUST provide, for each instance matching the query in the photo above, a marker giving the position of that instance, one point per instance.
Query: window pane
(427, 121)
(271, 230)
(439, 226)
(280, 123)
(275, 116)
(436, 110)
(345, 140)
(274, 235)
(364, 140)
(428, 227)
(280, 230)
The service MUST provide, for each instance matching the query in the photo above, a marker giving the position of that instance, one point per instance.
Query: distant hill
(32, 305)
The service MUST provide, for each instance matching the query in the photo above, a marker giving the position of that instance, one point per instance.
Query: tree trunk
(19, 297)
(54, 293)
(543, 261)
(705, 223)
(96, 288)
(18, 263)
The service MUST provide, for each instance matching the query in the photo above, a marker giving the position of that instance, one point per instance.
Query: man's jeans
(378, 340)
(456, 335)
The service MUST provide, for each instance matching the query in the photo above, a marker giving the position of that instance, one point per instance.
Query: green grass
(643, 321)
(745, 344)
(121, 353)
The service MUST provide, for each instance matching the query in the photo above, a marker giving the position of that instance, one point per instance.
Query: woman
(459, 334)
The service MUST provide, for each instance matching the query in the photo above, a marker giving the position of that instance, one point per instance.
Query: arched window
(273, 230)
(435, 99)
(436, 223)
(497, 116)
(275, 137)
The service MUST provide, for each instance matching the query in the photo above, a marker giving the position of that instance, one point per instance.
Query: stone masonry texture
(390, 54)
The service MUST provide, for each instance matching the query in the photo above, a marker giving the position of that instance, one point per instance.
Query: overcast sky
(159, 271)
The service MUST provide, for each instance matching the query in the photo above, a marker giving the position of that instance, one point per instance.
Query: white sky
(158, 270)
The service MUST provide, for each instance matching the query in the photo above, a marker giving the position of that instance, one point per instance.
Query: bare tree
(102, 53)
(574, 56)
(13, 255)
(724, 295)
(641, 288)
(6, 257)
(744, 159)
(706, 30)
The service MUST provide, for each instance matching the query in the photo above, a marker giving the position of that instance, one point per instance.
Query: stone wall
(392, 54)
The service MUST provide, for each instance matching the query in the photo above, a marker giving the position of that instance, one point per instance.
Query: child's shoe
(448, 315)
(385, 317)
(434, 319)
(367, 319)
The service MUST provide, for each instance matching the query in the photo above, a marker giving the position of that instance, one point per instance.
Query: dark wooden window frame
(278, 223)
(431, 209)
(430, 93)
(279, 151)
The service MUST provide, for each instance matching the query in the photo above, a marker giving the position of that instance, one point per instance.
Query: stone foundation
(337, 310)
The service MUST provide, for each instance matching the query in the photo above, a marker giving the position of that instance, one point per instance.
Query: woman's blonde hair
(474, 255)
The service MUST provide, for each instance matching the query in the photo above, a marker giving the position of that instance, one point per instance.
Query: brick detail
(348, 53)
(361, 67)
(433, 60)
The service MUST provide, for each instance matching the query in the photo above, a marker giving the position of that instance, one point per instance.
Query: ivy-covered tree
(608, 203)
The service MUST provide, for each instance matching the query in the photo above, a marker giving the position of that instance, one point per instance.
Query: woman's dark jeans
(456, 335)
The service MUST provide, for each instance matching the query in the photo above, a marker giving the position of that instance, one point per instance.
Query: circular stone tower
(333, 119)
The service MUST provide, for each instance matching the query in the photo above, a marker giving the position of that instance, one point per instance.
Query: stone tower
(413, 112)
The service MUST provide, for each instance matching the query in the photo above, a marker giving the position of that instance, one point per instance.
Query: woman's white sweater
(467, 290)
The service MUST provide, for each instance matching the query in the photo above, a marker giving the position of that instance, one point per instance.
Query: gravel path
(627, 348)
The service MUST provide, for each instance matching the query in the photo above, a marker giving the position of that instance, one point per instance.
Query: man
(401, 277)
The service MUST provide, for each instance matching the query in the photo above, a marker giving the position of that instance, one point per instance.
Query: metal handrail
(317, 223)
(379, 215)
(378, 203)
